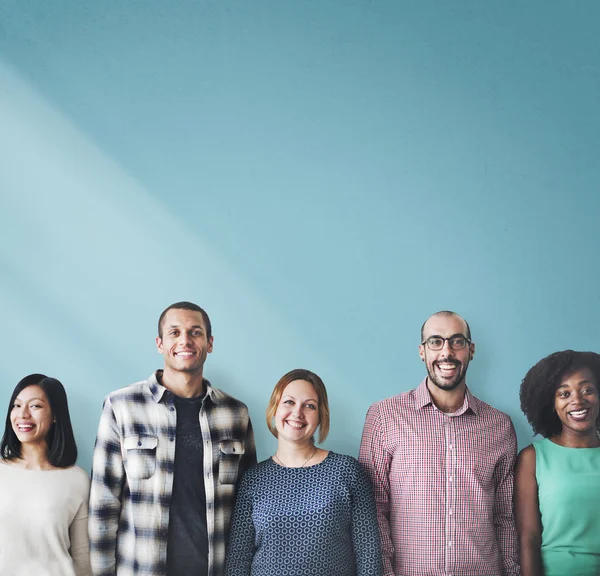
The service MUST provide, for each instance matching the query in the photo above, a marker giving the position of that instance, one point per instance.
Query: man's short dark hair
(62, 450)
(186, 306)
(445, 313)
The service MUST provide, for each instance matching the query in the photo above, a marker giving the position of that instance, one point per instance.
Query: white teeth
(294, 424)
(578, 412)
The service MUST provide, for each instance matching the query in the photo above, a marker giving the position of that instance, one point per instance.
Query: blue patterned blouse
(318, 520)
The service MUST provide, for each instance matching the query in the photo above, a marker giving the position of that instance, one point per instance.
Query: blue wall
(321, 176)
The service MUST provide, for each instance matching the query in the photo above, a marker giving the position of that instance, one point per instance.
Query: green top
(568, 488)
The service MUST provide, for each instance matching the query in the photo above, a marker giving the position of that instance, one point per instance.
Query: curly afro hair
(539, 386)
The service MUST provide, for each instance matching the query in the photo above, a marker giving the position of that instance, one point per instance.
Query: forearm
(530, 556)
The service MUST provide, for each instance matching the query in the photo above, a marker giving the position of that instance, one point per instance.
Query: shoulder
(78, 479)
(256, 475)
(394, 404)
(224, 400)
(493, 415)
(343, 465)
(526, 463)
(527, 454)
(137, 392)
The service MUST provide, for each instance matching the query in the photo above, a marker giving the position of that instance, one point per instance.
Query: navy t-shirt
(187, 546)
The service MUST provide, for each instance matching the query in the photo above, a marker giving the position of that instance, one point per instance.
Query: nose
(446, 350)
(23, 411)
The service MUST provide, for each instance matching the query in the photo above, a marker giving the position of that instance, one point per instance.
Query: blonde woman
(305, 510)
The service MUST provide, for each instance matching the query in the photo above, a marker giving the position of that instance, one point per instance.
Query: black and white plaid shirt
(132, 476)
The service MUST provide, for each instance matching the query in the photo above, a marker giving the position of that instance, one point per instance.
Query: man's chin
(447, 386)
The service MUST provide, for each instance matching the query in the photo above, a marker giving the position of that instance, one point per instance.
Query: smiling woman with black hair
(557, 508)
(43, 495)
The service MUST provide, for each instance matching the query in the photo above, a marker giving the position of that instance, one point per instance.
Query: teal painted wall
(321, 176)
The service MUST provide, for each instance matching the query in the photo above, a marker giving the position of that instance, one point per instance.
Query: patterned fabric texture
(132, 476)
(443, 486)
(319, 521)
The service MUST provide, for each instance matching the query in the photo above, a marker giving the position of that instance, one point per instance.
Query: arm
(376, 462)
(78, 537)
(365, 532)
(240, 551)
(249, 457)
(527, 514)
(105, 494)
(504, 521)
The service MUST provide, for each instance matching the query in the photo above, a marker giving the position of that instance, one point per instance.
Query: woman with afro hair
(557, 479)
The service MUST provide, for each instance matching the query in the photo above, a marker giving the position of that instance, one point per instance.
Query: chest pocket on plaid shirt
(230, 454)
(140, 456)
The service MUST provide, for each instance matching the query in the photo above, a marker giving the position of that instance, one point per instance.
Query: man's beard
(444, 384)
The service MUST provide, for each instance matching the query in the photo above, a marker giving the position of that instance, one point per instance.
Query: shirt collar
(423, 398)
(158, 390)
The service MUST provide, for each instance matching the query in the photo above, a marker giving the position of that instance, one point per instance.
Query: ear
(209, 348)
(472, 350)
(159, 345)
(422, 352)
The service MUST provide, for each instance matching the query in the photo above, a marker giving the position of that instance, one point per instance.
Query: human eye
(173, 332)
(563, 394)
(435, 342)
(197, 333)
(311, 406)
(288, 401)
(589, 391)
(458, 342)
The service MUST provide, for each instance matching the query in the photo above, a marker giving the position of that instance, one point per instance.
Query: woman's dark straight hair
(62, 450)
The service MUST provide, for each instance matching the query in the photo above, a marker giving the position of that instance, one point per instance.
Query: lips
(295, 425)
(579, 415)
(185, 354)
(25, 427)
(447, 369)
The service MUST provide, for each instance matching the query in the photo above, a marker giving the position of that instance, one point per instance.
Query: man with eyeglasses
(441, 462)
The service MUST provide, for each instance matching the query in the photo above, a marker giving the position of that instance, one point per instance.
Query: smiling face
(31, 416)
(446, 368)
(184, 344)
(576, 402)
(297, 415)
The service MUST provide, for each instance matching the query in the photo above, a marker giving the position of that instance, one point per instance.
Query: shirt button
(171, 439)
(172, 409)
(139, 442)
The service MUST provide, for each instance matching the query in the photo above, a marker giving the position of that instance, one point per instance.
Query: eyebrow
(191, 327)
(587, 381)
(294, 398)
(35, 398)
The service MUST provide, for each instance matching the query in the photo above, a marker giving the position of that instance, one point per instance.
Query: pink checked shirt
(443, 486)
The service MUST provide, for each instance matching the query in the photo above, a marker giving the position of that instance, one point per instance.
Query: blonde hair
(323, 403)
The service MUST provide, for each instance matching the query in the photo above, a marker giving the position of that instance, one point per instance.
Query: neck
(448, 401)
(295, 455)
(183, 384)
(569, 439)
(34, 457)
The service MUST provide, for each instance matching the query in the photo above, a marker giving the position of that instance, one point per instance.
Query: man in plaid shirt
(169, 453)
(441, 462)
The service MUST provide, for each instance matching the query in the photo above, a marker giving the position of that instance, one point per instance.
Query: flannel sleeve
(105, 494)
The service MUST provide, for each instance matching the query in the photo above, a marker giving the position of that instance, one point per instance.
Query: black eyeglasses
(436, 343)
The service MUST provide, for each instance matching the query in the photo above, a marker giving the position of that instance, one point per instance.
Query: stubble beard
(445, 385)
